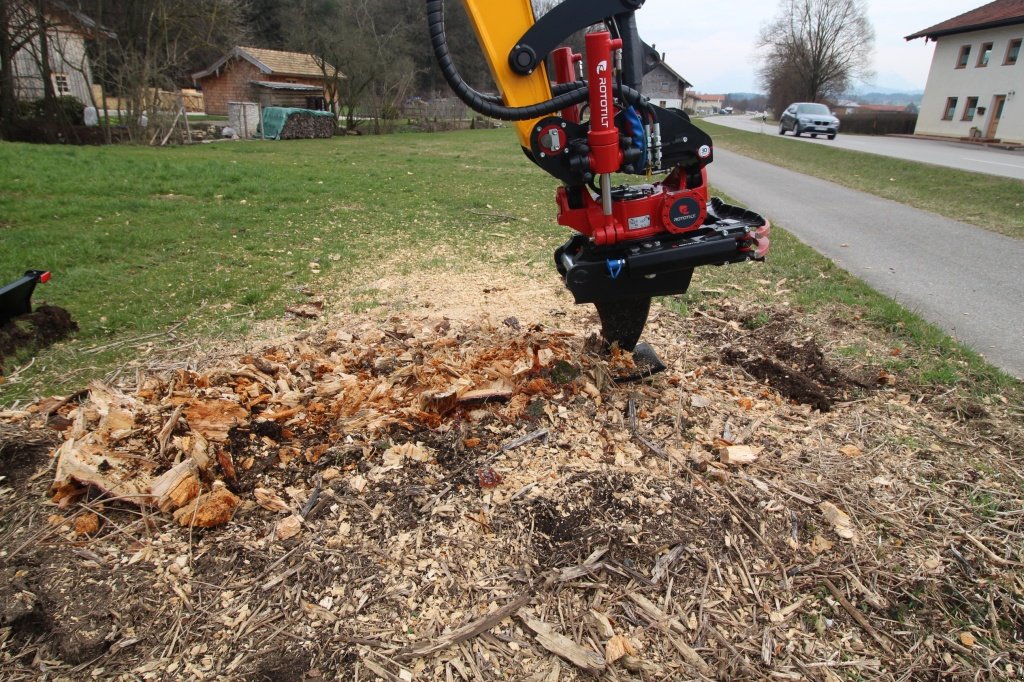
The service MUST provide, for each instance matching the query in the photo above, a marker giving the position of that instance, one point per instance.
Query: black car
(809, 117)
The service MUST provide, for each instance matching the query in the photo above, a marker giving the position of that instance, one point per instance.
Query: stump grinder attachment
(589, 124)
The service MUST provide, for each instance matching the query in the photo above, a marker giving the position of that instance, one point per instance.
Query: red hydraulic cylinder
(605, 154)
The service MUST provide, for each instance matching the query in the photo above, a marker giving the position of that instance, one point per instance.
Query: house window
(61, 84)
(950, 109)
(972, 104)
(986, 52)
(965, 55)
(1012, 52)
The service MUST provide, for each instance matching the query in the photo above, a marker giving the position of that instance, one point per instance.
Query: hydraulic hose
(570, 94)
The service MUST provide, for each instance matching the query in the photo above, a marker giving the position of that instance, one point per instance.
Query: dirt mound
(39, 329)
(411, 497)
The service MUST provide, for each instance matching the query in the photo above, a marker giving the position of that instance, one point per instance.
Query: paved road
(1009, 164)
(959, 277)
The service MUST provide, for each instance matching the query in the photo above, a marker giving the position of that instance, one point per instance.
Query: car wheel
(796, 129)
(814, 135)
(832, 136)
(782, 129)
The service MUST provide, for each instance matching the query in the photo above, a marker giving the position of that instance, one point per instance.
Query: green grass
(218, 238)
(991, 202)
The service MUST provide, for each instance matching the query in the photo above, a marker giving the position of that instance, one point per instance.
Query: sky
(711, 43)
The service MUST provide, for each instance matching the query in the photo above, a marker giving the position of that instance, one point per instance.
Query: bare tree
(366, 40)
(159, 42)
(815, 49)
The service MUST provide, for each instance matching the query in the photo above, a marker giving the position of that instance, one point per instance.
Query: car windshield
(816, 109)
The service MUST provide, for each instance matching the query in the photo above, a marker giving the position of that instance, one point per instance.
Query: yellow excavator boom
(499, 24)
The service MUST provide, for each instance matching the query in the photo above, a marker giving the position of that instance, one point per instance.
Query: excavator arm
(633, 241)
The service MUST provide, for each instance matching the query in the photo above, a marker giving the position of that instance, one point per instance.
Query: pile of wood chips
(425, 499)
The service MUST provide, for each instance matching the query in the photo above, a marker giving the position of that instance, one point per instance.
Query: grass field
(991, 202)
(208, 240)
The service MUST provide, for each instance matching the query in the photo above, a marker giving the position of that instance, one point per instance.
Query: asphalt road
(957, 276)
(1009, 164)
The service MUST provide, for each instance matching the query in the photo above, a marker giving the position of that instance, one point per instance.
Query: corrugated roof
(295, 87)
(271, 62)
(992, 15)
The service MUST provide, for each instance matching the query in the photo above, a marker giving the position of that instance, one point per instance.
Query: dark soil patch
(796, 368)
(22, 452)
(47, 325)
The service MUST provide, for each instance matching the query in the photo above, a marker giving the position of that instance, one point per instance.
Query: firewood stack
(303, 126)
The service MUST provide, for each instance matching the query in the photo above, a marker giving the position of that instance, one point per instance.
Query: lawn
(988, 201)
(210, 240)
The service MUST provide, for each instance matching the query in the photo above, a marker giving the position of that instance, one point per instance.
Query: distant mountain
(744, 95)
(886, 97)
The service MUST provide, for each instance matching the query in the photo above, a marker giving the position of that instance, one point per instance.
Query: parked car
(808, 117)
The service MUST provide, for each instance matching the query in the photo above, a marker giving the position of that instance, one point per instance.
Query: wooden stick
(857, 615)
(468, 631)
(992, 556)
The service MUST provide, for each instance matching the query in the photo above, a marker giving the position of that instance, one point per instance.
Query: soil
(37, 330)
(905, 499)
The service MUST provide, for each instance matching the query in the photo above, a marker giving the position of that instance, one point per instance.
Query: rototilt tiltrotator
(634, 241)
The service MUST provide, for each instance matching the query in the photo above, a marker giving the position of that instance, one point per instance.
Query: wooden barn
(271, 78)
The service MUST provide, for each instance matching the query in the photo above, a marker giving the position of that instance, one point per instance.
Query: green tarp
(274, 119)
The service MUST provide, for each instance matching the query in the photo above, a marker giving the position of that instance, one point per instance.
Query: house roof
(270, 62)
(655, 59)
(90, 26)
(992, 15)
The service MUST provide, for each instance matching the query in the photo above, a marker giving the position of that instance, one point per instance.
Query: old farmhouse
(266, 77)
(67, 31)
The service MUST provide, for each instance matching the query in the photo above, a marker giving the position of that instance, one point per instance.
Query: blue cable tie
(615, 267)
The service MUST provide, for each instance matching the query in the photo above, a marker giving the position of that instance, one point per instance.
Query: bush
(69, 109)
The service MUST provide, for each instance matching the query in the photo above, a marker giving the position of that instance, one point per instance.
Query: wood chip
(177, 487)
(563, 647)
(212, 509)
(737, 454)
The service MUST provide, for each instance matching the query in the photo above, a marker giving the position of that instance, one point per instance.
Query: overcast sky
(711, 42)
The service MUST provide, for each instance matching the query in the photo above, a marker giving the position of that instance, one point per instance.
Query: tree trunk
(8, 100)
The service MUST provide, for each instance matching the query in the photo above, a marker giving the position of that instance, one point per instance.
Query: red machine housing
(663, 207)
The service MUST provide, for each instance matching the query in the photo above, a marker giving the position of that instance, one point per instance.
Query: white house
(976, 74)
(67, 31)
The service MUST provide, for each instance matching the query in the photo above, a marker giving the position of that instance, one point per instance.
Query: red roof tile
(998, 13)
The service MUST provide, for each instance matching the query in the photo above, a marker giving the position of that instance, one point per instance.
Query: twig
(468, 631)
(116, 344)
(857, 615)
(523, 440)
(992, 556)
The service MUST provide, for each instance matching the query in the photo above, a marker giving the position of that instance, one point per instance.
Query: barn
(271, 78)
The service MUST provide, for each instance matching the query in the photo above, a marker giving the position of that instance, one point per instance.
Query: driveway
(957, 276)
(975, 158)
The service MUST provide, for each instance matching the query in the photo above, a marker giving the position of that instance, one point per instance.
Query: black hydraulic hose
(567, 95)
(477, 101)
